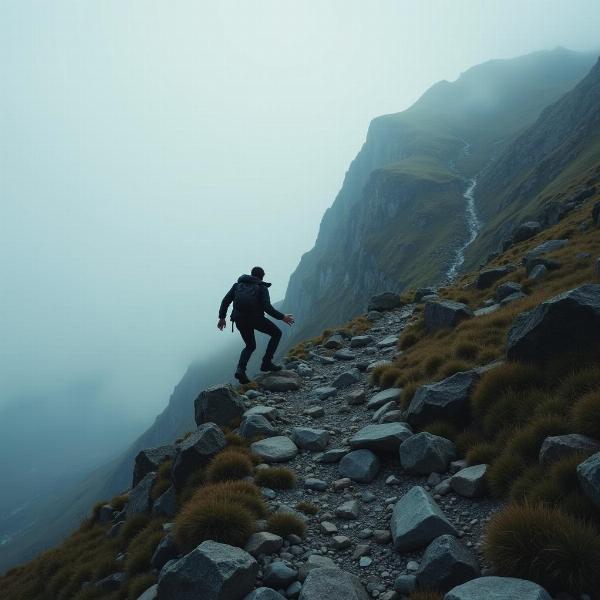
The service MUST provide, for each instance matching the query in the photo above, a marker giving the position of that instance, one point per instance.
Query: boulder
(442, 400)
(470, 482)
(374, 315)
(556, 447)
(218, 404)
(344, 354)
(385, 396)
(333, 455)
(385, 437)
(506, 289)
(358, 341)
(447, 562)
(498, 588)
(543, 249)
(512, 298)
(324, 392)
(440, 314)
(112, 582)
(315, 561)
(361, 466)
(307, 438)
(165, 551)
(346, 379)
(348, 510)
(388, 342)
(356, 397)
(588, 474)
(549, 264)
(304, 370)
(486, 310)
(487, 277)
(150, 594)
(385, 301)
(332, 584)
(275, 449)
(279, 381)
(263, 542)
(166, 504)
(195, 451)
(382, 411)
(422, 292)
(425, 453)
(334, 342)
(149, 460)
(569, 322)
(278, 575)
(526, 230)
(269, 412)
(140, 500)
(256, 425)
(211, 571)
(264, 593)
(417, 520)
(538, 272)
(105, 514)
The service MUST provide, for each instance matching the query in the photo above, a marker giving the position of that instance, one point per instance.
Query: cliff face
(399, 217)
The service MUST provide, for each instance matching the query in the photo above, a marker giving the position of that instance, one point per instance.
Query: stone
(276, 449)
(487, 310)
(341, 542)
(315, 561)
(324, 392)
(588, 474)
(218, 404)
(293, 590)
(596, 214)
(425, 453)
(513, 298)
(526, 230)
(382, 411)
(359, 341)
(256, 426)
(379, 364)
(269, 412)
(443, 400)
(348, 510)
(365, 561)
(315, 484)
(487, 277)
(114, 531)
(264, 593)
(569, 322)
(385, 438)
(545, 248)
(279, 575)
(309, 438)
(388, 342)
(304, 370)
(140, 500)
(279, 381)
(211, 571)
(417, 520)
(405, 584)
(333, 455)
(334, 342)
(166, 504)
(105, 514)
(112, 582)
(506, 289)
(559, 446)
(361, 549)
(440, 314)
(328, 527)
(253, 394)
(150, 594)
(385, 301)
(344, 354)
(447, 562)
(346, 379)
(549, 264)
(383, 397)
(332, 584)
(374, 315)
(195, 451)
(498, 588)
(149, 460)
(314, 412)
(422, 292)
(361, 466)
(392, 416)
(356, 397)
(263, 542)
(382, 536)
(470, 482)
(164, 552)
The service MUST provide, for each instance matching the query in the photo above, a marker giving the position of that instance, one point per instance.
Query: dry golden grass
(229, 466)
(284, 524)
(277, 478)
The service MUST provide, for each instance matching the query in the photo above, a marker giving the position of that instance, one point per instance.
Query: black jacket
(263, 294)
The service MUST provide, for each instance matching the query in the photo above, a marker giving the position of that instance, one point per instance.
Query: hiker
(250, 297)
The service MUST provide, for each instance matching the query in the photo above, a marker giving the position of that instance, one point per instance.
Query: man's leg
(264, 325)
(247, 332)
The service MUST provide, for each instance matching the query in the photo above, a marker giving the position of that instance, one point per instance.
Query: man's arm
(227, 300)
(268, 307)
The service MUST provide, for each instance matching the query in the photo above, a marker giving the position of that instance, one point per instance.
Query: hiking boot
(267, 365)
(240, 375)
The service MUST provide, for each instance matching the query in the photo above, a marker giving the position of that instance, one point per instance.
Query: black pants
(247, 327)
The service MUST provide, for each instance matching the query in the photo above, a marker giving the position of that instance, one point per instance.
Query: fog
(151, 152)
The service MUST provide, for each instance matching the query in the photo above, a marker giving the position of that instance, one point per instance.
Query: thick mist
(152, 152)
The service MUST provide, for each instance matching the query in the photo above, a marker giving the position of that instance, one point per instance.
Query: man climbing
(250, 297)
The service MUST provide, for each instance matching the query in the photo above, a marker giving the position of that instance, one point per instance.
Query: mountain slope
(398, 219)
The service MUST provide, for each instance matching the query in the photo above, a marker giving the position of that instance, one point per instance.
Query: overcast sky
(151, 152)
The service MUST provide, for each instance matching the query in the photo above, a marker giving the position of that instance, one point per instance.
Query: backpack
(246, 299)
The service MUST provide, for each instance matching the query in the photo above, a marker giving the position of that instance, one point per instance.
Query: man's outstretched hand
(289, 320)
(221, 324)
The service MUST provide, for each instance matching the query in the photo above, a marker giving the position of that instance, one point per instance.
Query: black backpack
(246, 299)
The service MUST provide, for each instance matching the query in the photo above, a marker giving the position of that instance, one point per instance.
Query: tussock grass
(443, 429)
(142, 547)
(284, 524)
(308, 508)
(277, 478)
(425, 595)
(481, 453)
(138, 585)
(229, 466)
(133, 525)
(585, 414)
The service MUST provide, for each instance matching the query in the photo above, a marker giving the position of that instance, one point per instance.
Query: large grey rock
(498, 588)
(361, 466)
(164, 552)
(440, 314)
(333, 455)
(442, 400)
(346, 379)
(150, 594)
(195, 451)
(385, 396)
(544, 248)
(334, 342)
(149, 460)
(382, 411)
(269, 412)
(538, 272)
(512, 298)
(332, 584)
(279, 381)
(255, 426)
(278, 575)
(526, 230)
(211, 571)
(263, 542)
(426, 453)
(218, 404)
(264, 593)
(166, 504)
(487, 277)
(446, 563)
(276, 449)
(358, 341)
(324, 392)
(139, 500)
(112, 582)
(507, 289)
(308, 438)
(422, 292)
(385, 301)
(105, 514)
(569, 322)
(384, 437)
(470, 482)
(588, 473)
(344, 354)
(417, 520)
(556, 447)
(388, 342)
(549, 263)
(315, 561)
